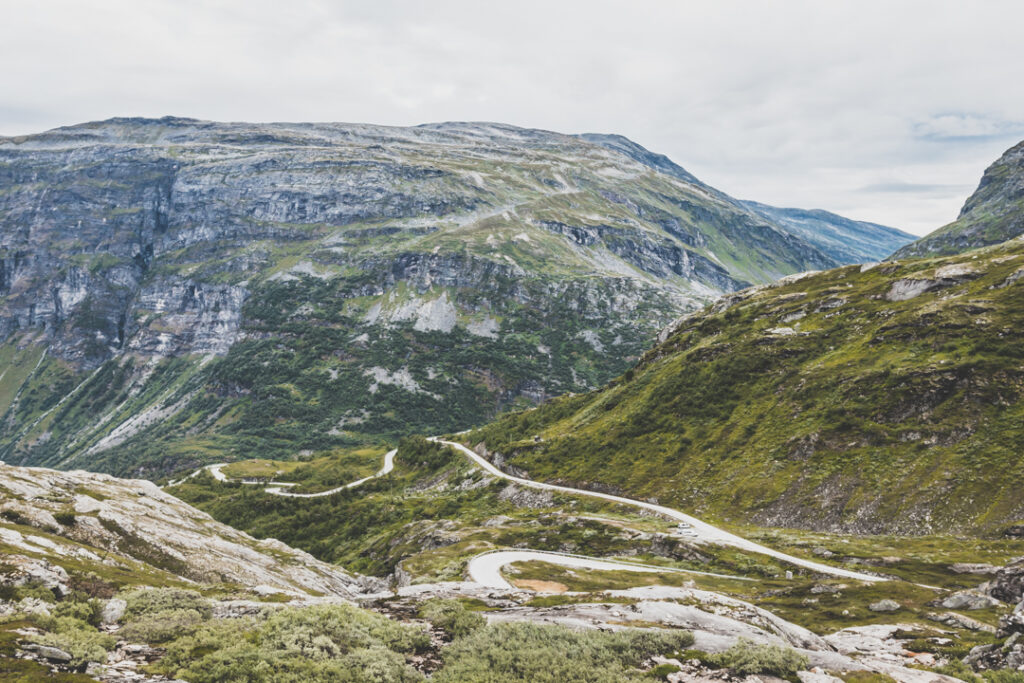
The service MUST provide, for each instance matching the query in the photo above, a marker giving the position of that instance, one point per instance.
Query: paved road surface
(705, 531)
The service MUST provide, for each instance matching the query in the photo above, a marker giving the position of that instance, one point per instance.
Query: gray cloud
(792, 102)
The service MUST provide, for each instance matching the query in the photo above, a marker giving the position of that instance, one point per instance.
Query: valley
(686, 437)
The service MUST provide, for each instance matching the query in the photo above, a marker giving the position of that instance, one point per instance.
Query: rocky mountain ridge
(993, 214)
(186, 283)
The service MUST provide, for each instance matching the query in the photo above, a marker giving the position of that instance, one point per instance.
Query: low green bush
(452, 617)
(507, 653)
(958, 669)
(747, 658)
(151, 601)
(160, 627)
(76, 637)
(319, 644)
(86, 610)
(65, 517)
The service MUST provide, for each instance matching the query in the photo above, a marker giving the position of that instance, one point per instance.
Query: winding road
(705, 531)
(485, 569)
(276, 488)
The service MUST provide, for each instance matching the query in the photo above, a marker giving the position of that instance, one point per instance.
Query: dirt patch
(541, 586)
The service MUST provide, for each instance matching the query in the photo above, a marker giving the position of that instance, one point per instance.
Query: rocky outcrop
(993, 214)
(135, 525)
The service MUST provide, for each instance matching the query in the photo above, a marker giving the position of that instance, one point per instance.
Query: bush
(76, 637)
(328, 630)
(87, 610)
(143, 601)
(747, 658)
(161, 627)
(325, 643)
(958, 669)
(452, 617)
(65, 517)
(91, 585)
(505, 653)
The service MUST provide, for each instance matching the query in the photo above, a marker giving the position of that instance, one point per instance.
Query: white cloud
(791, 102)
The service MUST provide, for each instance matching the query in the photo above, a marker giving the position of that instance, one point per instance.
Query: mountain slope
(993, 214)
(884, 399)
(842, 239)
(174, 291)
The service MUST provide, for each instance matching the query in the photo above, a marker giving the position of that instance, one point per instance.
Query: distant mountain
(173, 290)
(993, 214)
(842, 239)
(884, 399)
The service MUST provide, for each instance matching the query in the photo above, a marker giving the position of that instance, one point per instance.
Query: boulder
(1008, 583)
(112, 611)
(968, 601)
(884, 606)
(51, 653)
(960, 621)
(973, 568)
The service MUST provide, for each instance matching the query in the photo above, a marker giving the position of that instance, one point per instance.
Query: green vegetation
(309, 644)
(746, 658)
(958, 669)
(505, 653)
(452, 617)
(816, 403)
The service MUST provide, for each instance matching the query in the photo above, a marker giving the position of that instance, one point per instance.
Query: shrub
(504, 653)
(747, 658)
(91, 585)
(143, 601)
(161, 627)
(958, 669)
(84, 610)
(65, 517)
(326, 630)
(325, 643)
(76, 637)
(452, 617)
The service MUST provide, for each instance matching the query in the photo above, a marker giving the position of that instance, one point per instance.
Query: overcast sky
(883, 111)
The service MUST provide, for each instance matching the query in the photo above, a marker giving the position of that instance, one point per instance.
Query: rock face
(132, 526)
(494, 265)
(993, 214)
(1007, 584)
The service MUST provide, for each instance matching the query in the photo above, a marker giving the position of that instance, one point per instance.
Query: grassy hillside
(884, 399)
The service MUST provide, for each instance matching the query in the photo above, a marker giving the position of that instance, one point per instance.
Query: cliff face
(188, 285)
(993, 214)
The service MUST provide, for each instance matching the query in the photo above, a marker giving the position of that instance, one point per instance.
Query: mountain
(842, 239)
(865, 399)
(174, 291)
(993, 214)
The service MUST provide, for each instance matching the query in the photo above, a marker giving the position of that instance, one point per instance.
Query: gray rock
(112, 611)
(960, 621)
(1007, 583)
(884, 606)
(968, 601)
(973, 568)
(51, 653)
(818, 676)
